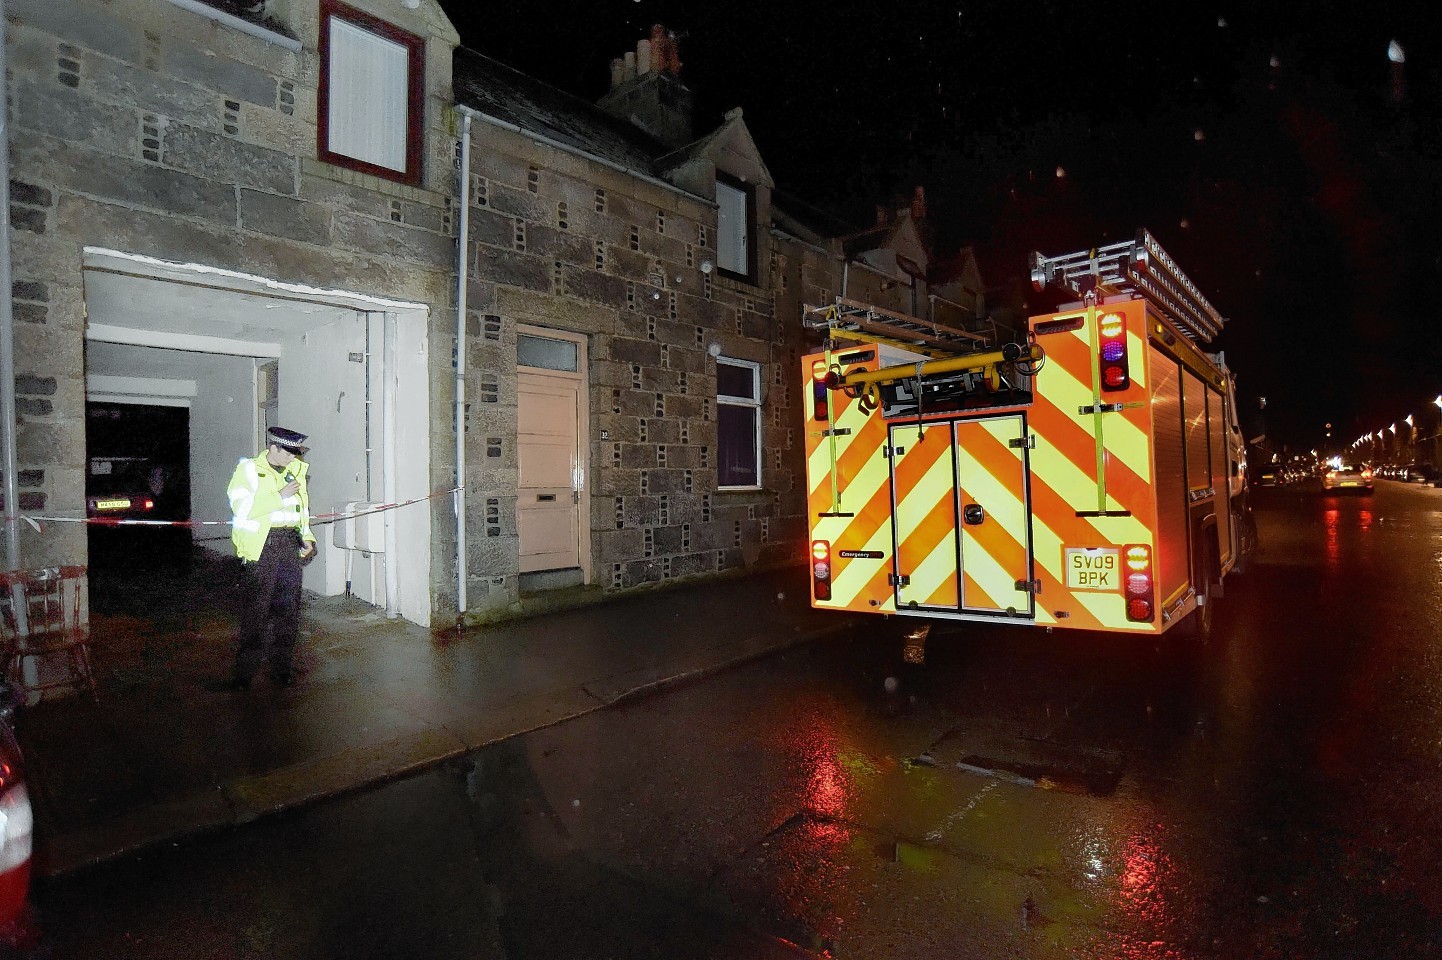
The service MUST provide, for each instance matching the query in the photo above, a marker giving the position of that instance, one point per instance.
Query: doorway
(552, 509)
(244, 352)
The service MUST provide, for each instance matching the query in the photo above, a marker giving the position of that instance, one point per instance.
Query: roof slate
(499, 91)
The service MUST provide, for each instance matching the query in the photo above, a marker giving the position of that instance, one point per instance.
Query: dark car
(121, 487)
(16, 826)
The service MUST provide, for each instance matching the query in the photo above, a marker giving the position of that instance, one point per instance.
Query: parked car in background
(121, 487)
(16, 826)
(1348, 476)
(1417, 473)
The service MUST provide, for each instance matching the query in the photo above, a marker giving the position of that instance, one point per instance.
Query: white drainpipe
(462, 277)
(7, 334)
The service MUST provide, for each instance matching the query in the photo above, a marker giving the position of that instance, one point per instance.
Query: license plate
(1092, 568)
(112, 504)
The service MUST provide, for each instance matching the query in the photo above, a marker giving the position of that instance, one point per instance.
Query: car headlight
(17, 824)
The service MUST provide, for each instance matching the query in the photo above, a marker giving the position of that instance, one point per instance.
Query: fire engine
(1090, 478)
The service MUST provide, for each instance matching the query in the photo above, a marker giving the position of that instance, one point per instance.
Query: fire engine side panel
(1194, 410)
(1217, 441)
(1072, 508)
(849, 491)
(1173, 566)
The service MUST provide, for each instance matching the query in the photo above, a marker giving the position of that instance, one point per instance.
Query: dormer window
(371, 94)
(735, 228)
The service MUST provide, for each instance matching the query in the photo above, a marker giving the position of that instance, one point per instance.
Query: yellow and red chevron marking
(1088, 482)
(849, 496)
(1064, 468)
(994, 553)
(924, 485)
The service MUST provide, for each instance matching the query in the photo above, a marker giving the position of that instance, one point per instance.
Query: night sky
(1288, 165)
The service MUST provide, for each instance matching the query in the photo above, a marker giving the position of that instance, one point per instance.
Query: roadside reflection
(1331, 518)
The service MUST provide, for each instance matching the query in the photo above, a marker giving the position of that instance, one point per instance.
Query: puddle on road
(1096, 780)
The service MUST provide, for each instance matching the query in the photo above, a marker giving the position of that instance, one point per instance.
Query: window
(545, 353)
(371, 94)
(735, 217)
(738, 424)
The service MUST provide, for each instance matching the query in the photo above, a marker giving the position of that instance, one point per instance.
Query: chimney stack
(646, 89)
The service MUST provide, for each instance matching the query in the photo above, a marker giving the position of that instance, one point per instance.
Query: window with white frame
(370, 94)
(738, 424)
(735, 213)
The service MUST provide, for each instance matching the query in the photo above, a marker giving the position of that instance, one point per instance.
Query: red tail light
(821, 404)
(1112, 348)
(1140, 590)
(1367, 473)
(147, 504)
(821, 569)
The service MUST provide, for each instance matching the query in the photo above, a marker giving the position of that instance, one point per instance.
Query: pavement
(160, 758)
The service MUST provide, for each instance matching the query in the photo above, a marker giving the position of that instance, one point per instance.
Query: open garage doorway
(241, 353)
(137, 468)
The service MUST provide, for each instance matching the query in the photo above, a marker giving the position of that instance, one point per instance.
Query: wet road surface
(1274, 793)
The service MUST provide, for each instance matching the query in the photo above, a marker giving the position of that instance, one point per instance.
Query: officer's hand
(307, 550)
(290, 489)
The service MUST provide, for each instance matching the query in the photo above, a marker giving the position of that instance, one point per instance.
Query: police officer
(270, 526)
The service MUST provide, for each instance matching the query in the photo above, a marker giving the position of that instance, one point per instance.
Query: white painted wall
(409, 376)
(322, 394)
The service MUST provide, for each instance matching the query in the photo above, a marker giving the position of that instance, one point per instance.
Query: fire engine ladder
(851, 320)
(1139, 267)
(951, 349)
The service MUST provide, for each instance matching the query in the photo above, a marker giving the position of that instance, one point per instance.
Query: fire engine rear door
(996, 556)
(923, 505)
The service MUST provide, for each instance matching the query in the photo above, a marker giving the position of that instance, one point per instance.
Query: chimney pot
(618, 72)
(628, 69)
(643, 57)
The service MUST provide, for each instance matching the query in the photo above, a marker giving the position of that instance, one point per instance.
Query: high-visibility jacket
(256, 506)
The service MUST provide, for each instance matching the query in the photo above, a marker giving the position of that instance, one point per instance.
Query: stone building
(669, 279)
(252, 220)
(258, 220)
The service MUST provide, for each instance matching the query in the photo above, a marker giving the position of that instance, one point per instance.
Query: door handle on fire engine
(972, 514)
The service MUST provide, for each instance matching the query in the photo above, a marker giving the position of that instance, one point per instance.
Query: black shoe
(231, 685)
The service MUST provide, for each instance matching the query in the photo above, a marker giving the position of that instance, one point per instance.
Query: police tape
(318, 520)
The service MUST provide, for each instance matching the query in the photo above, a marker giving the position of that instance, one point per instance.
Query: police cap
(286, 439)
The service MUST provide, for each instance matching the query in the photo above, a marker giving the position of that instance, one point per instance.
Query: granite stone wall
(138, 126)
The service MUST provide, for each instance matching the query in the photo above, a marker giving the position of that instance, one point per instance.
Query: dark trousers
(271, 597)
